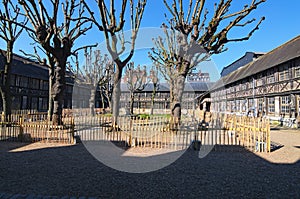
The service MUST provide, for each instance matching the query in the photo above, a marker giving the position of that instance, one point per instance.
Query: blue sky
(282, 24)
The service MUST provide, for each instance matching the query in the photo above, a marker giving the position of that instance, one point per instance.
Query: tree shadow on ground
(225, 172)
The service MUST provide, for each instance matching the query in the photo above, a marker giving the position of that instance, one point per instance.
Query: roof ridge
(265, 60)
(280, 46)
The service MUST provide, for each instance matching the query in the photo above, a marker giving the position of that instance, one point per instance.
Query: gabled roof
(284, 53)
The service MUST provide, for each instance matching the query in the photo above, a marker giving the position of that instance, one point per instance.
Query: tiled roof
(284, 53)
(164, 87)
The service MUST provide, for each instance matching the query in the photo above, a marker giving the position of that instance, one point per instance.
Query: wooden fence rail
(34, 127)
(154, 131)
(252, 133)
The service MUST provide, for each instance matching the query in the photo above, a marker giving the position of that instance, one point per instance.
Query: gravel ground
(71, 170)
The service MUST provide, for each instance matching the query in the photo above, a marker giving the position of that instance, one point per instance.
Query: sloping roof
(284, 53)
(164, 87)
(26, 67)
(242, 61)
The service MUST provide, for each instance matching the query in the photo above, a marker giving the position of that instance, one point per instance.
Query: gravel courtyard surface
(70, 170)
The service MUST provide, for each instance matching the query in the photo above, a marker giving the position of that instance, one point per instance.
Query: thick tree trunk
(102, 99)
(116, 94)
(176, 97)
(92, 101)
(5, 88)
(109, 102)
(50, 102)
(109, 98)
(6, 102)
(58, 93)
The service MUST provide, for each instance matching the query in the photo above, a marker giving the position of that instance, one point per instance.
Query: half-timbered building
(143, 99)
(269, 85)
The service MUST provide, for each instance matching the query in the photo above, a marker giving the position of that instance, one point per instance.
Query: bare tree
(137, 80)
(108, 85)
(94, 73)
(155, 82)
(9, 33)
(56, 37)
(192, 36)
(114, 37)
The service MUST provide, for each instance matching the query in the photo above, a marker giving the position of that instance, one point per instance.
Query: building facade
(30, 86)
(269, 85)
(143, 99)
(30, 89)
(198, 77)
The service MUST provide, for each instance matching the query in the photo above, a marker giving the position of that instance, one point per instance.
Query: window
(233, 107)
(297, 69)
(18, 80)
(251, 103)
(24, 82)
(271, 105)
(228, 105)
(285, 104)
(259, 80)
(16, 102)
(260, 104)
(237, 102)
(244, 105)
(284, 73)
(270, 78)
(232, 89)
(24, 102)
(35, 83)
(34, 103)
(45, 85)
(243, 86)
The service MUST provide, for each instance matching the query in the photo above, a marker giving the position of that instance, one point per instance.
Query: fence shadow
(73, 171)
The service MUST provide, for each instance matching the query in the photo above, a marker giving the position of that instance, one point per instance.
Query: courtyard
(38, 170)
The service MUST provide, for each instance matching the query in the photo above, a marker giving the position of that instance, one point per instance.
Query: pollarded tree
(94, 73)
(155, 83)
(9, 33)
(136, 79)
(192, 36)
(56, 30)
(107, 86)
(112, 27)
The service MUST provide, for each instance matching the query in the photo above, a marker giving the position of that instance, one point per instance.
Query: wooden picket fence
(250, 132)
(162, 132)
(155, 131)
(33, 127)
